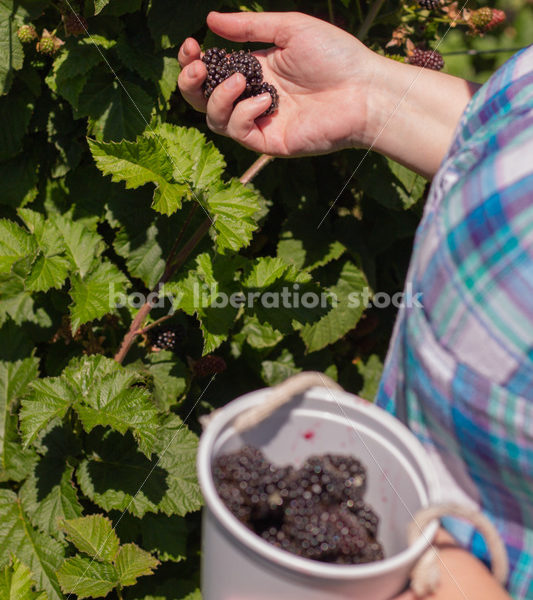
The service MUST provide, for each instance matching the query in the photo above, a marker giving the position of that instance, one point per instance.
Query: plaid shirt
(460, 370)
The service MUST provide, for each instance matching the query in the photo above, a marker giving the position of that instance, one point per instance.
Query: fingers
(190, 82)
(189, 52)
(220, 105)
(252, 27)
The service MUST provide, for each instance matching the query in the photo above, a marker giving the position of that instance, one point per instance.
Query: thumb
(268, 27)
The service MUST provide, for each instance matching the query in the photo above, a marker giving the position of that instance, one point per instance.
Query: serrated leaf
(86, 578)
(118, 109)
(260, 335)
(166, 536)
(138, 163)
(122, 410)
(82, 244)
(341, 318)
(169, 377)
(115, 479)
(233, 207)
(47, 272)
(94, 295)
(39, 551)
(14, 380)
(413, 184)
(94, 535)
(276, 371)
(194, 158)
(15, 244)
(16, 583)
(45, 499)
(131, 563)
(48, 399)
(11, 52)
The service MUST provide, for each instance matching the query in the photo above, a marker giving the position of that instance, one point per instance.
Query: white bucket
(239, 565)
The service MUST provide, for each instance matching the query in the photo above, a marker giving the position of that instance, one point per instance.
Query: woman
(459, 371)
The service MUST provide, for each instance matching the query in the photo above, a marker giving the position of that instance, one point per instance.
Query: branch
(176, 259)
(369, 19)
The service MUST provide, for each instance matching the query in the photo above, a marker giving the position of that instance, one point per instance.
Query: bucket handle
(425, 577)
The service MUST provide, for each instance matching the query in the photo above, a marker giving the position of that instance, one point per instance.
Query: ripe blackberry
(247, 64)
(430, 59)
(209, 365)
(263, 88)
(315, 512)
(27, 34)
(166, 338)
(429, 4)
(221, 65)
(74, 24)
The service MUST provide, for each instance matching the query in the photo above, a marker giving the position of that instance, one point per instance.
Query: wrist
(412, 113)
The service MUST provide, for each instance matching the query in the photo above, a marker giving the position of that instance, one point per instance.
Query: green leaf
(138, 163)
(14, 380)
(166, 536)
(19, 105)
(122, 478)
(47, 272)
(99, 5)
(132, 562)
(194, 158)
(371, 372)
(119, 109)
(260, 335)
(16, 583)
(340, 318)
(413, 184)
(39, 551)
(48, 399)
(109, 404)
(18, 179)
(86, 578)
(94, 295)
(82, 244)
(11, 52)
(233, 207)
(169, 378)
(94, 535)
(15, 244)
(276, 371)
(170, 27)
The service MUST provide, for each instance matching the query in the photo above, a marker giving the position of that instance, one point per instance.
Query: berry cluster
(166, 338)
(484, 19)
(429, 4)
(27, 33)
(316, 511)
(221, 65)
(430, 59)
(74, 24)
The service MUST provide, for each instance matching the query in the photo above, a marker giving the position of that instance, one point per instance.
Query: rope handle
(425, 577)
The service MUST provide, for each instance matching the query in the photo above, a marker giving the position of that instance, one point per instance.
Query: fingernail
(186, 49)
(231, 83)
(192, 71)
(262, 98)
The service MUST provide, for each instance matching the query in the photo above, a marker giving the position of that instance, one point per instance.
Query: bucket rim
(221, 422)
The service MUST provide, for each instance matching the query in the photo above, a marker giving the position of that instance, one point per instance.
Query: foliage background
(78, 432)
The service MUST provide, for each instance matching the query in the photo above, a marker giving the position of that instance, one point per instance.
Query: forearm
(462, 575)
(414, 113)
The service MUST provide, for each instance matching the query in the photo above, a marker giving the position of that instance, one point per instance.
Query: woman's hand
(334, 93)
(322, 74)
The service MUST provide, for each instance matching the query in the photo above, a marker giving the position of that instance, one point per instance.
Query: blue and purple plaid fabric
(460, 370)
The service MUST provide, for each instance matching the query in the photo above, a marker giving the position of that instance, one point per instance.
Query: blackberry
(221, 65)
(74, 24)
(27, 34)
(245, 63)
(430, 59)
(429, 4)
(166, 338)
(209, 365)
(263, 88)
(315, 512)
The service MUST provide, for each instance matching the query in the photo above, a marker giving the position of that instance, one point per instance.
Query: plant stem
(176, 259)
(331, 15)
(119, 594)
(369, 19)
(359, 11)
(152, 325)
